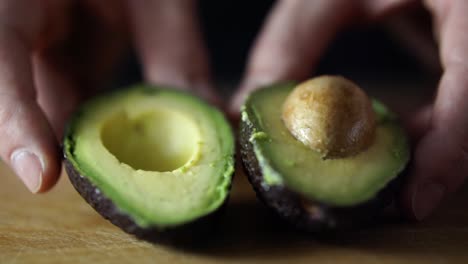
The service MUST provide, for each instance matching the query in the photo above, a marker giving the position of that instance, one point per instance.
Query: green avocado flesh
(161, 156)
(285, 161)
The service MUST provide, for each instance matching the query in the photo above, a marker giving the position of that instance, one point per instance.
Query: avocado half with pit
(314, 176)
(151, 160)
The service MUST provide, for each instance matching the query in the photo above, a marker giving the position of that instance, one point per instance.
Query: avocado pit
(331, 115)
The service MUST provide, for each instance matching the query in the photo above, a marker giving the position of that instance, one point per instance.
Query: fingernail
(29, 169)
(426, 198)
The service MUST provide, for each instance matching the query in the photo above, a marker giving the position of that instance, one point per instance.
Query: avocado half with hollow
(150, 159)
(322, 154)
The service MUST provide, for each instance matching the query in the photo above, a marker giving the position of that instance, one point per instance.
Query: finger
(293, 38)
(81, 61)
(441, 157)
(418, 123)
(28, 143)
(295, 35)
(168, 39)
(57, 95)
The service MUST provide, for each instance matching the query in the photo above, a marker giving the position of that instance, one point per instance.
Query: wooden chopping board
(59, 227)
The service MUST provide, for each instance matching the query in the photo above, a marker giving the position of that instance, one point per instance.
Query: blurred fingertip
(426, 199)
(207, 92)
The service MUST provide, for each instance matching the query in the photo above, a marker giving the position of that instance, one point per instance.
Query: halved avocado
(150, 159)
(311, 192)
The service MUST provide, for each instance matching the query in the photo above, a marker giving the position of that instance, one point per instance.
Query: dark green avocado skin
(182, 235)
(316, 217)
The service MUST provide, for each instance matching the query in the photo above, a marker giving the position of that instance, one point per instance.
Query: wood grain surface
(59, 227)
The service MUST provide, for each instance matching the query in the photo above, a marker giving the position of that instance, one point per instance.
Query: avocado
(151, 160)
(306, 187)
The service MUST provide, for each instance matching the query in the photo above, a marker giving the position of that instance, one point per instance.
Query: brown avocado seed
(330, 115)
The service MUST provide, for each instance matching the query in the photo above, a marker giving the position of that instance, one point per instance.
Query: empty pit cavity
(159, 140)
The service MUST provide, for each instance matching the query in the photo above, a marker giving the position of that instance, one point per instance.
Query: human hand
(296, 34)
(54, 52)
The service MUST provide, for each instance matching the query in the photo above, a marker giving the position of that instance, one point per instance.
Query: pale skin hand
(30, 73)
(50, 52)
(296, 33)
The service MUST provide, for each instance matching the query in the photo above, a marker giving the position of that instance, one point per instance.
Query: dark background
(231, 26)
(370, 54)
